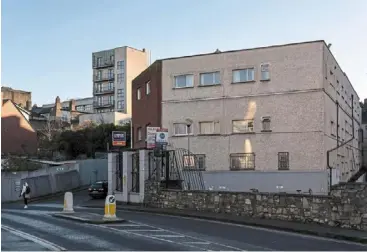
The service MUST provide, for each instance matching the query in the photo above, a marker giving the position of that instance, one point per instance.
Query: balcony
(103, 64)
(107, 77)
(103, 104)
(103, 90)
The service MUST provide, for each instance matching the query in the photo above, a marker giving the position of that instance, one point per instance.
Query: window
(210, 78)
(112, 58)
(99, 75)
(119, 105)
(110, 73)
(265, 72)
(242, 161)
(183, 81)
(147, 87)
(99, 59)
(111, 99)
(138, 94)
(110, 86)
(120, 65)
(332, 128)
(242, 126)
(119, 93)
(208, 127)
(283, 160)
(243, 75)
(120, 78)
(180, 129)
(194, 162)
(266, 123)
(139, 134)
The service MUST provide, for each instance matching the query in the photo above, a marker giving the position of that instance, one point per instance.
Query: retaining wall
(346, 207)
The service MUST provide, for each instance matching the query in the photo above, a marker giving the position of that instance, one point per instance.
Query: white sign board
(151, 135)
(161, 136)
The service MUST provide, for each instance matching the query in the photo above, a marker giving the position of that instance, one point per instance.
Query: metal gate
(135, 174)
(119, 171)
(177, 169)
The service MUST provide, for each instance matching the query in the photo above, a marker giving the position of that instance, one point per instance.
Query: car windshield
(98, 185)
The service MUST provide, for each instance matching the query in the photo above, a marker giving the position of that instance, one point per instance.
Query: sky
(47, 45)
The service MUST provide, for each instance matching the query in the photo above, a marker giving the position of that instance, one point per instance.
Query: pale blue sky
(47, 44)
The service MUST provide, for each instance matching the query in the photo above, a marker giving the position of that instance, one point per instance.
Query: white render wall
(294, 98)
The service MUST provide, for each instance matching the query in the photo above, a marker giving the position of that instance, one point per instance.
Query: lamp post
(188, 124)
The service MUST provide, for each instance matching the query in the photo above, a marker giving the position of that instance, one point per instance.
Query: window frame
(214, 79)
(282, 167)
(139, 135)
(187, 130)
(138, 94)
(244, 132)
(119, 92)
(248, 155)
(181, 75)
(265, 71)
(195, 160)
(147, 88)
(119, 103)
(213, 127)
(243, 69)
(266, 119)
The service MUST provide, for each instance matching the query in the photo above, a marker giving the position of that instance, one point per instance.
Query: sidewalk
(311, 229)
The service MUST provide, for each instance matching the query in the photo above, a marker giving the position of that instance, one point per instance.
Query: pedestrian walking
(26, 190)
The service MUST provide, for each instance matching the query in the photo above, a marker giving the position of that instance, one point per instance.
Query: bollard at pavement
(110, 207)
(68, 203)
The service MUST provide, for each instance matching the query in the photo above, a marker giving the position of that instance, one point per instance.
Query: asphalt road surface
(149, 232)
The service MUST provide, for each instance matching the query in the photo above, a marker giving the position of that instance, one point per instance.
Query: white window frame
(212, 127)
(119, 93)
(119, 104)
(265, 72)
(181, 134)
(138, 94)
(190, 76)
(247, 122)
(266, 119)
(215, 78)
(147, 88)
(139, 133)
(246, 70)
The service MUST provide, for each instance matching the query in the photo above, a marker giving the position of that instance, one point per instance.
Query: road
(150, 232)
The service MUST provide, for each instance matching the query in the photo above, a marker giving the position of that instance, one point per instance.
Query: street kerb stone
(90, 218)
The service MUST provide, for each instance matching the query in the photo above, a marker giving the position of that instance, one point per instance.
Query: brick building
(20, 97)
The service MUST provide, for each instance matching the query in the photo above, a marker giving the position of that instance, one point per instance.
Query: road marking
(195, 242)
(170, 236)
(142, 230)
(63, 232)
(198, 239)
(39, 241)
(124, 225)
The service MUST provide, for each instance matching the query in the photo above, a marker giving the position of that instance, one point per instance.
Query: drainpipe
(337, 134)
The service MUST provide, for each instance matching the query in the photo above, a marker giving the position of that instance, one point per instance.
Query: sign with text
(118, 138)
(161, 137)
(151, 132)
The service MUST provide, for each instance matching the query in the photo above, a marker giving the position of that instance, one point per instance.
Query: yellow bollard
(68, 203)
(110, 208)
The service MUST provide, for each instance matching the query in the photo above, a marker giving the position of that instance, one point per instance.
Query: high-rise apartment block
(113, 72)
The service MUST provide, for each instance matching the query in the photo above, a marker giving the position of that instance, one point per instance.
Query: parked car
(98, 190)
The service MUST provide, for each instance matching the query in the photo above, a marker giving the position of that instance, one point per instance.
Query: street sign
(151, 132)
(118, 138)
(161, 136)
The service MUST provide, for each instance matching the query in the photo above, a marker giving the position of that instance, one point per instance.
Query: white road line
(124, 225)
(142, 230)
(169, 236)
(39, 241)
(195, 242)
(198, 239)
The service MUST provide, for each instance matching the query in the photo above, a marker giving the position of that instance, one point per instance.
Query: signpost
(118, 138)
(151, 135)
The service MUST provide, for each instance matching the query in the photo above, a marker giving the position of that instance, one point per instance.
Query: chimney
(57, 110)
(143, 49)
(29, 105)
(72, 105)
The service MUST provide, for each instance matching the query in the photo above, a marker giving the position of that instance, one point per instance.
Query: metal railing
(98, 104)
(108, 63)
(104, 90)
(106, 77)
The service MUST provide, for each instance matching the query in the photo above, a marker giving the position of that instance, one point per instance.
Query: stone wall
(346, 207)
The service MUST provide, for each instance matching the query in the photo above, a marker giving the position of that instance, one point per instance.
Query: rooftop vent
(217, 51)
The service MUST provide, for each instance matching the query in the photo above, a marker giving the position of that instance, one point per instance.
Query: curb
(247, 223)
(83, 220)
